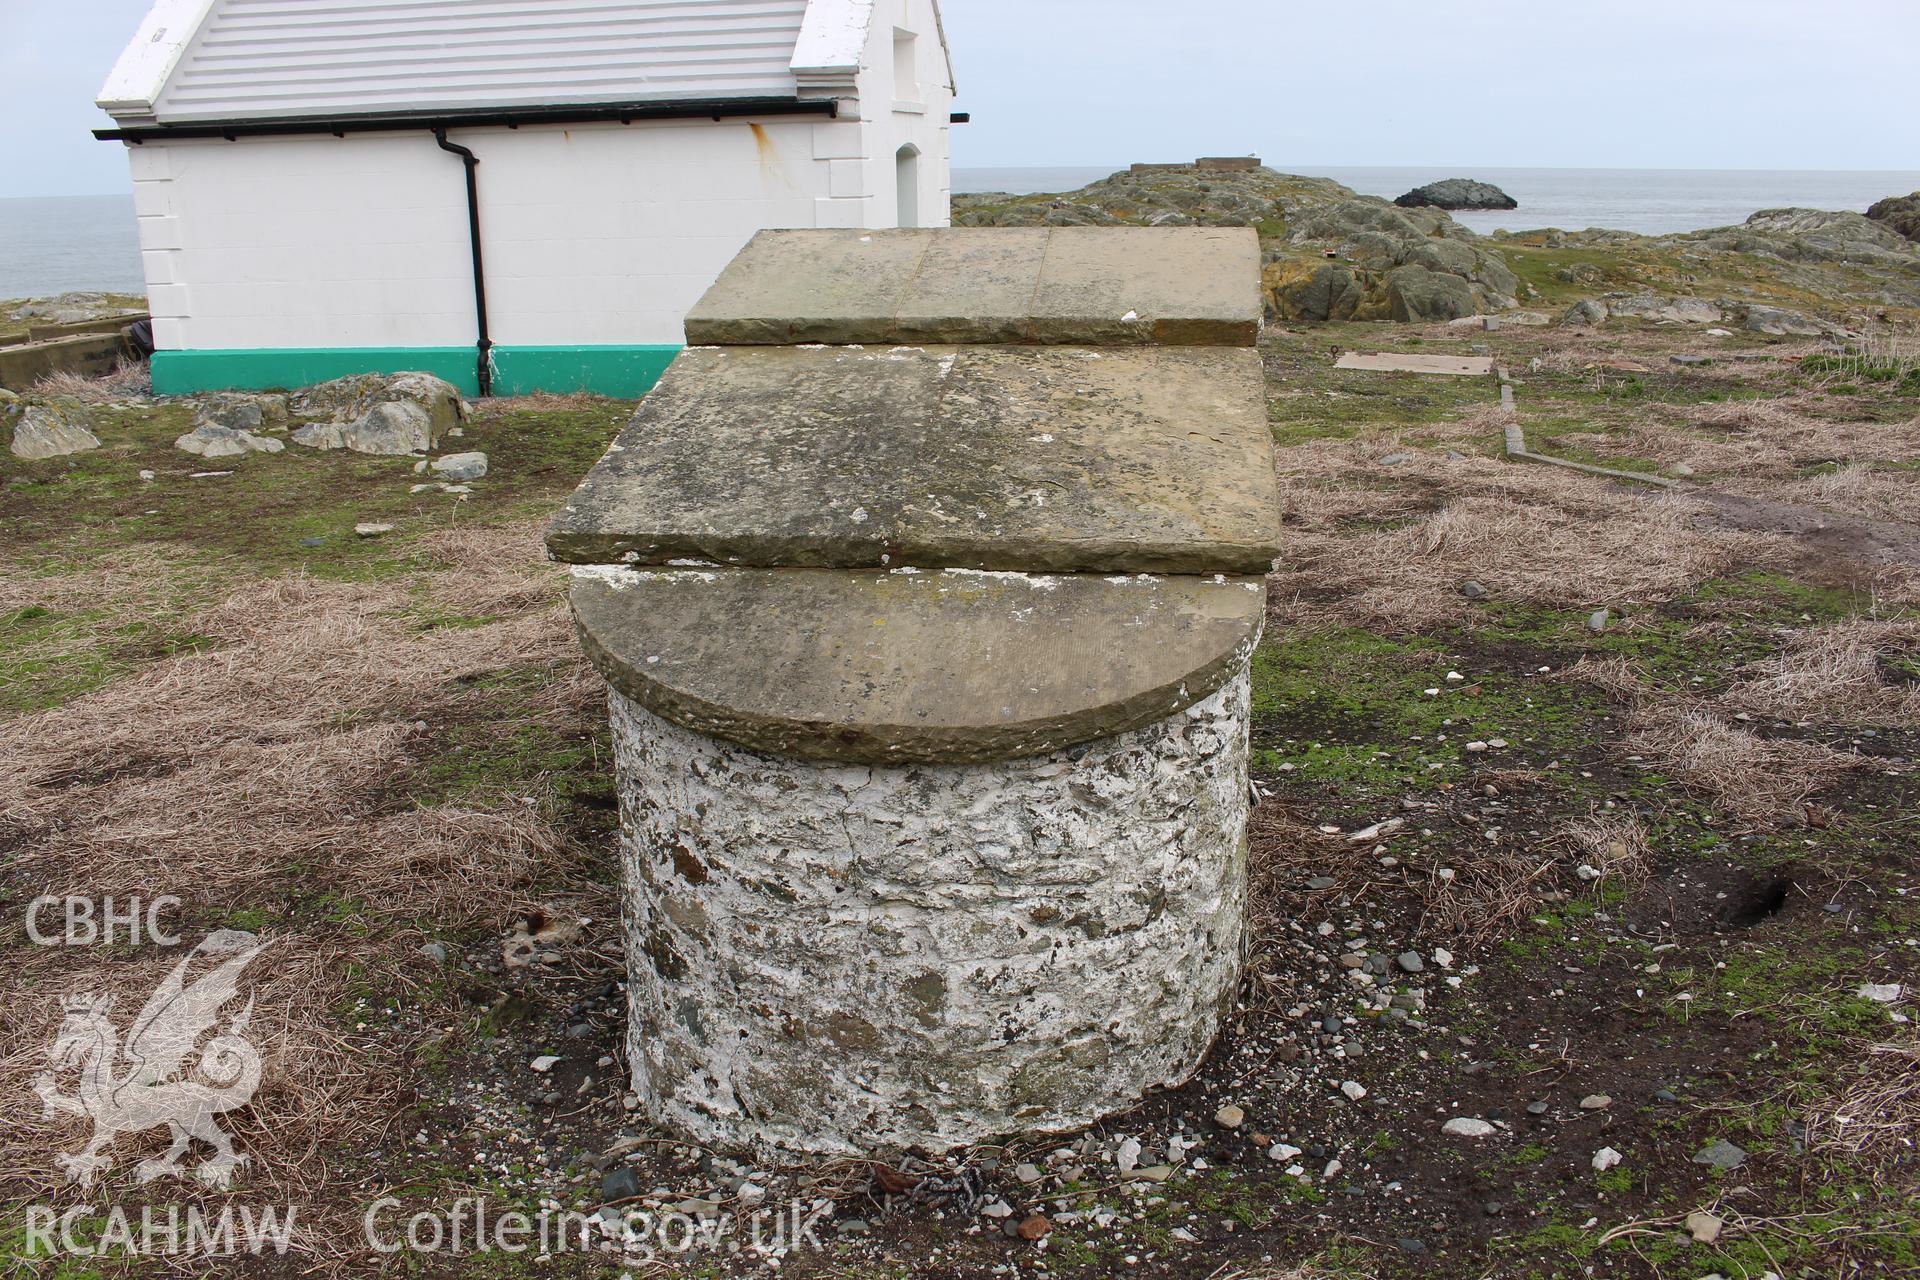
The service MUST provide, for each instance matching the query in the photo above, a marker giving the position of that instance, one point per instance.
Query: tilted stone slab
(1388, 362)
(1033, 459)
(898, 667)
(1197, 286)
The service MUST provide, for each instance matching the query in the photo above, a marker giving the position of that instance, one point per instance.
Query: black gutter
(485, 343)
(340, 126)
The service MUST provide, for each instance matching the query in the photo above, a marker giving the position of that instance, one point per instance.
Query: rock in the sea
(52, 430)
(1457, 193)
(458, 468)
(1585, 314)
(1418, 294)
(212, 441)
(1900, 213)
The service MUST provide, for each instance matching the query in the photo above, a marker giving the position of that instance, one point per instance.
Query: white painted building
(303, 199)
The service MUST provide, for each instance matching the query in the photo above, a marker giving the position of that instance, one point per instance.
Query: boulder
(52, 430)
(353, 400)
(1300, 289)
(1816, 235)
(1457, 193)
(1783, 323)
(1646, 306)
(211, 440)
(240, 411)
(1418, 294)
(458, 468)
(1900, 214)
(1585, 313)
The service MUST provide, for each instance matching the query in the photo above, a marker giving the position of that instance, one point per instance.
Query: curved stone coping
(875, 667)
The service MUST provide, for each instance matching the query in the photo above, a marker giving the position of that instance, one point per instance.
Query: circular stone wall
(850, 958)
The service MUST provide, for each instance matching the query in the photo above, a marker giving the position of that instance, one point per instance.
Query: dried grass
(1838, 672)
(1781, 437)
(1875, 1116)
(1761, 782)
(1537, 536)
(128, 379)
(285, 760)
(1862, 490)
(1614, 846)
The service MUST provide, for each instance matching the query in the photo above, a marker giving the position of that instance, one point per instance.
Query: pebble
(1605, 1158)
(1881, 992)
(1703, 1227)
(1472, 590)
(1322, 882)
(1681, 470)
(1411, 962)
(434, 951)
(1395, 459)
(1230, 1117)
(1598, 621)
(1595, 1102)
(997, 1209)
(1721, 1155)
(1536, 1108)
(1467, 1127)
(544, 1064)
(621, 1184)
(1027, 1173)
(371, 530)
(1280, 1152)
(1354, 1090)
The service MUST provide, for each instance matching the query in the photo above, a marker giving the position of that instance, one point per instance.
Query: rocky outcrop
(1457, 193)
(401, 413)
(1660, 310)
(52, 430)
(1900, 214)
(1329, 253)
(1417, 294)
(1815, 235)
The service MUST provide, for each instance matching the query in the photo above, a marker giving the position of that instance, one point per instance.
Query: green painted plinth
(627, 372)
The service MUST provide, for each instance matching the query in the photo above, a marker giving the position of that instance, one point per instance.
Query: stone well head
(925, 583)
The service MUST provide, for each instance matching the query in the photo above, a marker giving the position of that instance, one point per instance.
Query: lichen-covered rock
(1416, 294)
(1302, 289)
(211, 440)
(1780, 322)
(849, 959)
(355, 400)
(393, 428)
(52, 430)
(1458, 193)
(240, 411)
(1647, 306)
(1586, 313)
(458, 468)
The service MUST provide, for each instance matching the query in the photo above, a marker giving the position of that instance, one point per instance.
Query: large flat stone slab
(1034, 459)
(1196, 286)
(1389, 362)
(952, 666)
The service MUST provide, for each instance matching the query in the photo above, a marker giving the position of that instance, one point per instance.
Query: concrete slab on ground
(1390, 362)
(892, 667)
(1185, 286)
(1036, 459)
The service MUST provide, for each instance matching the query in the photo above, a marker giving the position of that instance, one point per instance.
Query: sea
(59, 244)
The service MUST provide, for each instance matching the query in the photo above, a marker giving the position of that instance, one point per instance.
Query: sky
(1689, 84)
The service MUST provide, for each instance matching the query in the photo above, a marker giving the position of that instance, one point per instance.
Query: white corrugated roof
(236, 60)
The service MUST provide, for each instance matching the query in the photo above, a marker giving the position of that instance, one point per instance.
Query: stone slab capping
(926, 584)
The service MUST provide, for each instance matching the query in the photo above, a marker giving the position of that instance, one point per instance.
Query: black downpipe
(485, 344)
